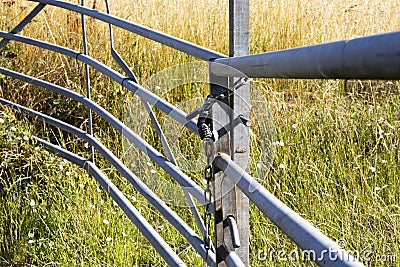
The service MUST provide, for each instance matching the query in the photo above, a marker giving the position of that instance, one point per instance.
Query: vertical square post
(239, 45)
(229, 200)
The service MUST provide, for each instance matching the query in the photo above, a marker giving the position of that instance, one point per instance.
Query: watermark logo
(187, 86)
(331, 254)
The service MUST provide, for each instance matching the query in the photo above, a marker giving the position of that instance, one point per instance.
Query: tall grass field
(336, 160)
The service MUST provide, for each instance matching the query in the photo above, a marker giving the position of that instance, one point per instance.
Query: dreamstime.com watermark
(188, 85)
(331, 254)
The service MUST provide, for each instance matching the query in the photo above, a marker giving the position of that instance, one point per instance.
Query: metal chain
(208, 177)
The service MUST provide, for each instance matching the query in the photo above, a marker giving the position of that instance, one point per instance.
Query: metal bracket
(239, 119)
(246, 121)
(206, 107)
(239, 83)
(210, 100)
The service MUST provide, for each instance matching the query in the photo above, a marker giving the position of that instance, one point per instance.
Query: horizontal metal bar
(134, 215)
(168, 40)
(144, 94)
(369, 57)
(325, 251)
(24, 22)
(160, 205)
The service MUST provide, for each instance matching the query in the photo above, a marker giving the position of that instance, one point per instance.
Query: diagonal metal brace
(24, 22)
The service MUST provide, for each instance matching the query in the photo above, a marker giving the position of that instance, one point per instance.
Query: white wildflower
(26, 138)
(381, 131)
(1, 120)
(31, 235)
(149, 163)
(282, 166)
(98, 189)
(133, 198)
(105, 221)
(82, 185)
(86, 145)
(32, 203)
(377, 188)
(30, 241)
(384, 161)
(51, 243)
(124, 234)
(278, 143)
(372, 169)
(295, 125)
(158, 87)
(108, 239)
(13, 129)
(153, 171)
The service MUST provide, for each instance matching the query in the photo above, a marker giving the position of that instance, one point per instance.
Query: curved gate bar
(187, 183)
(175, 113)
(160, 205)
(133, 214)
(167, 149)
(143, 93)
(166, 39)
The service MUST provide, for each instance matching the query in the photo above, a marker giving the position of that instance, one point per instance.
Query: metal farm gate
(229, 187)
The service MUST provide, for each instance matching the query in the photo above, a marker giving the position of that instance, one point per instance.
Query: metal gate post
(239, 45)
(232, 205)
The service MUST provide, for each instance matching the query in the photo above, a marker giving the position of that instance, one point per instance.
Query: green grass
(338, 167)
(340, 170)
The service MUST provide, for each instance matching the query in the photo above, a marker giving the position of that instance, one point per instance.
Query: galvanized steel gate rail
(370, 57)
